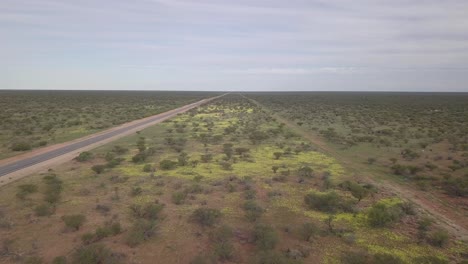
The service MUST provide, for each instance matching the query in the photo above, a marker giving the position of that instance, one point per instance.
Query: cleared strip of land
(19, 166)
(453, 223)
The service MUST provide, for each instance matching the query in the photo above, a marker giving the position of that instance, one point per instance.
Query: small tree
(277, 155)
(183, 159)
(305, 171)
(359, 192)
(274, 168)
(322, 201)
(265, 237)
(74, 222)
(308, 230)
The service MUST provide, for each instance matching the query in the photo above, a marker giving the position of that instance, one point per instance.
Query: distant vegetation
(31, 119)
(421, 138)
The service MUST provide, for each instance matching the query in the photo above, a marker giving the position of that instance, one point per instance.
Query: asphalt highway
(41, 157)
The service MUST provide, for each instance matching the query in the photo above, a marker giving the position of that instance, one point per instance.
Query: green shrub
(224, 251)
(265, 237)
(142, 230)
(98, 168)
(25, 189)
(308, 230)
(381, 215)
(206, 216)
(306, 172)
(21, 146)
(44, 210)
(59, 260)
(439, 238)
(33, 260)
(201, 260)
(53, 188)
(149, 211)
(95, 254)
(272, 257)
(119, 150)
(88, 238)
(387, 259)
(179, 197)
(429, 260)
(167, 164)
(109, 229)
(74, 222)
(84, 156)
(136, 191)
(323, 201)
(222, 234)
(147, 168)
(205, 158)
(253, 211)
(277, 155)
(358, 191)
(356, 257)
(139, 157)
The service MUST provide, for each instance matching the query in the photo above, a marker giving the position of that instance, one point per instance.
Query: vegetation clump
(74, 222)
(265, 237)
(206, 216)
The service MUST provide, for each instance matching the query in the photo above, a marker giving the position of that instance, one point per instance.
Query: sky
(235, 45)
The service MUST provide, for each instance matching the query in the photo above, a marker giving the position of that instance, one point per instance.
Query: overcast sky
(392, 45)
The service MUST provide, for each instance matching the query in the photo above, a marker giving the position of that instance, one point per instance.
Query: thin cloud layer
(398, 45)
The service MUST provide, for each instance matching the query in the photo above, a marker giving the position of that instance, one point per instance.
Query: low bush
(167, 164)
(381, 214)
(84, 156)
(74, 222)
(135, 191)
(109, 229)
(323, 201)
(25, 189)
(141, 231)
(308, 230)
(206, 216)
(386, 258)
(98, 168)
(439, 238)
(253, 211)
(53, 188)
(147, 168)
(33, 260)
(139, 157)
(265, 237)
(272, 257)
(59, 260)
(95, 254)
(149, 211)
(179, 197)
(21, 146)
(356, 257)
(44, 210)
(429, 260)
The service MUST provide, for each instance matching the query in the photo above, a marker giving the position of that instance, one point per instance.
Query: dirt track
(453, 223)
(14, 168)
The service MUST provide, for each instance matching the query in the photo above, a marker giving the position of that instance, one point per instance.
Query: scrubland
(33, 119)
(225, 182)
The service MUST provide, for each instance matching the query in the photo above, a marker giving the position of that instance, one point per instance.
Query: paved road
(39, 158)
